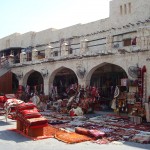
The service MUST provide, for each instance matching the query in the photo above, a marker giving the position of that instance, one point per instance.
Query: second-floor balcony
(111, 45)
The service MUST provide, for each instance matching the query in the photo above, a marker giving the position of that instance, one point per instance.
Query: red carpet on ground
(52, 132)
(71, 137)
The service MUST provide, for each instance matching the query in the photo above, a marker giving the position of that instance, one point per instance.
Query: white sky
(35, 15)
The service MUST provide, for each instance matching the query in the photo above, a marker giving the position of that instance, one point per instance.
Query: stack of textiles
(2, 101)
(29, 120)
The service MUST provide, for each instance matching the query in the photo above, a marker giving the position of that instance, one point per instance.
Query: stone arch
(62, 76)
(52, 76)
(90, 73)
(54, 73)
(105, 77)
(34, 78)
(26, 76)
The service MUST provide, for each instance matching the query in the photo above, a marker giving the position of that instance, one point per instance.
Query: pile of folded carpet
(29, 120)
(2, 101)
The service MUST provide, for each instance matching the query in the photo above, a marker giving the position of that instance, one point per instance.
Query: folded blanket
(25, 106)
(29, 113)
(36, 121)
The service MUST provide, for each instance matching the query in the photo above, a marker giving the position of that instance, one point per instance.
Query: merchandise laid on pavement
(101, 126)
(78, 132)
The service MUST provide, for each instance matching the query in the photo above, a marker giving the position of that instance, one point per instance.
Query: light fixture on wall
(81, 71)
(44, 72)
(19, 75)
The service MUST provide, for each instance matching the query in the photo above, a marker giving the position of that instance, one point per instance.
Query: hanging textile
(113, 105)
(117, 92)
(124, 82)
(35, 89)
(27, 89)
(41, 88)
(56, 90)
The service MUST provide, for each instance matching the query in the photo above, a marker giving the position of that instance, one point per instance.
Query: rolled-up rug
(82, 131)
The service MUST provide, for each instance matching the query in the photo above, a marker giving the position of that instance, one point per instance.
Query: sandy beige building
(101, 53)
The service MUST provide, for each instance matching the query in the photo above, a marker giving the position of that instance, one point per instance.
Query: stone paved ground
(12, 141)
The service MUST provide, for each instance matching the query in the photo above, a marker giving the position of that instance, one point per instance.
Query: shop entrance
(15, 83)
(105, 79)
(35, 82)
(64, 80)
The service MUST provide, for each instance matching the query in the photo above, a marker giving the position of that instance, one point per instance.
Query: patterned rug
(71, 137)
(50, 131)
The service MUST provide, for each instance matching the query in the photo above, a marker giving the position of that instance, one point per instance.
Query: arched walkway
(105, 77)
(62, 80)
(107, 73)
(34, 81)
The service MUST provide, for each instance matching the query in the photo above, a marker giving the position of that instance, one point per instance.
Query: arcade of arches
(64, 79)
(105, 78)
